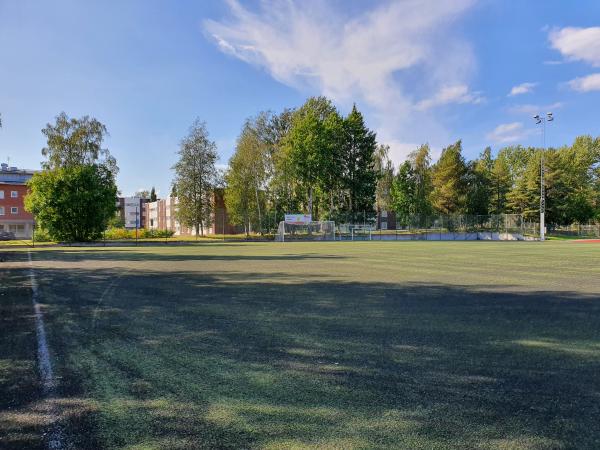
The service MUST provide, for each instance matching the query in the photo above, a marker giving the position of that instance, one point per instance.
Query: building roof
(14, 175)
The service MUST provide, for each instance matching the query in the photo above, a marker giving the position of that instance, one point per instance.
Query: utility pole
(542, 120)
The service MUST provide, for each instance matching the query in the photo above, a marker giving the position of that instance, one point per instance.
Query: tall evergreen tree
(360, 178)
(448, 180)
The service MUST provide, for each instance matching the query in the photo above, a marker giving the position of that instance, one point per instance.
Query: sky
(420, 71)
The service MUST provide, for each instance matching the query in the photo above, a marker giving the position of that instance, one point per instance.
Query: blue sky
(421, 71)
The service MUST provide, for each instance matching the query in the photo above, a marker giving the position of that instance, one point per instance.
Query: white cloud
(523, 88)
(509, 132)
(450, 94)
(365, 58)
(586, 84)
(577, 44)
(535, 109)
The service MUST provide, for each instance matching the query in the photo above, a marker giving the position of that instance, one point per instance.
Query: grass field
(417, 345)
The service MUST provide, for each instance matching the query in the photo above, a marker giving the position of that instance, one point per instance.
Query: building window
(1, 210)
(1, 195)
(14, 194)
(14, 210)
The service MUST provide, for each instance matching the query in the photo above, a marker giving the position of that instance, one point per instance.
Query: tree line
(312, 160)
(506, 184)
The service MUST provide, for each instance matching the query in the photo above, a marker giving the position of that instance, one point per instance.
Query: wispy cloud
(365, 58)
(450, 94)
(523, 88)
(586, 84)
(577, 44)
(509, 132)
(531, 109)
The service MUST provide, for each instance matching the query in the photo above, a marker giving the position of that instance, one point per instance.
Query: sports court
(432, 345)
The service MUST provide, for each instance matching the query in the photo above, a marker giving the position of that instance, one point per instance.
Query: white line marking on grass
(55, 435)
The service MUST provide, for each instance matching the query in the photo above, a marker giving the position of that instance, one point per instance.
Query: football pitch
(416, 345)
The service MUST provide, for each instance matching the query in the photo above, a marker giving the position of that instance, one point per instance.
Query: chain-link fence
(460, 227)
(590, 230)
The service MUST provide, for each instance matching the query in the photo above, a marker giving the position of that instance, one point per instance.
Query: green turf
(428, 345)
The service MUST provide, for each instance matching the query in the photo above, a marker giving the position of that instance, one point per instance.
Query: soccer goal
(361, 232)
(310, 231)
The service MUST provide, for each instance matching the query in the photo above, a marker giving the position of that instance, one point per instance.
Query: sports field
(417, 345)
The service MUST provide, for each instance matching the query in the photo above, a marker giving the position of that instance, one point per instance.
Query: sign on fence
(298, 218)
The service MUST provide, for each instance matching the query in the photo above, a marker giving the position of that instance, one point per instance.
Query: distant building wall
(161, 215)
(132, 211)
(13, 190)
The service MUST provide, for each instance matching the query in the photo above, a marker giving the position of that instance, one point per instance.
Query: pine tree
(360, 178)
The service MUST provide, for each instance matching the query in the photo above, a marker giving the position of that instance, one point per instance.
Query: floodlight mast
(542, 120)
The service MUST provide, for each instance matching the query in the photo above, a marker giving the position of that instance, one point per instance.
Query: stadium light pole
(542, 120)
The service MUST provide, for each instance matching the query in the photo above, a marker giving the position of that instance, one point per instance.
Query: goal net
(310, 231)
(352, 232)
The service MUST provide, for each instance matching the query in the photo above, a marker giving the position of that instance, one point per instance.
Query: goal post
(306, 231)
(361, 232)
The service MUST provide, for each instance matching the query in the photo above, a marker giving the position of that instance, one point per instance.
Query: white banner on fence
(298, 218)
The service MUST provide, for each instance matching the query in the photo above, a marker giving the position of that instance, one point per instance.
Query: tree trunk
(310, 201)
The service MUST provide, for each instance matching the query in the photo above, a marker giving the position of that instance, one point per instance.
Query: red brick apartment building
(160, 215)
(14, 220)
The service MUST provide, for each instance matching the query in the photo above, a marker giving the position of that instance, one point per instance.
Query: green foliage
(42, 235)
(420, 161)
(448, 180)
(358, 155)
(73, 203)
(153, 197)
(478, 178)
(115, 234)
(312, 148)
(384, 170)
(74, 142)
(245, 180)
(403, 193)
(195, 178)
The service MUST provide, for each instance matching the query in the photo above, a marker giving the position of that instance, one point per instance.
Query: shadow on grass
(140, 254)
(195, 360)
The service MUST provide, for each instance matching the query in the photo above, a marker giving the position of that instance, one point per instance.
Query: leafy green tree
(403, 193)
(524, 196)
(153, 197)
(74, 197)
(500, 185)
(73, 203)
(448, 180)
(478, 183)
(310, 151)
(195, 178)
(569, 180)
(245, 180)
(420, 161)
(358, 158)
(384, 169)
(75, 142)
